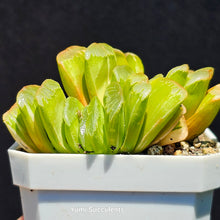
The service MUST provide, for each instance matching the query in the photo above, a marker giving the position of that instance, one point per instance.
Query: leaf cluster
(112, 107)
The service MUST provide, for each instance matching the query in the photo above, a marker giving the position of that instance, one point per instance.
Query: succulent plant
(112, 107)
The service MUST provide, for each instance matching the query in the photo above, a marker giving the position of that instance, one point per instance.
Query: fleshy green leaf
(135, 108)
(196, 85)
(120, 57)
(15, 124)
(71, 65)
(205, 113)
(114, 110)
(179, 74)
(51, 101)
(121, 74)
(100, 61)
(72, 115)
(160, 75)
(132, 80)
(135, 62)
(27, 104)
(171, 125)
(164, 100)
(136, 78)
(92, 129)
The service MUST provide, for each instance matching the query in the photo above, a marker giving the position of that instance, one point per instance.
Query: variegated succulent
(112, 107)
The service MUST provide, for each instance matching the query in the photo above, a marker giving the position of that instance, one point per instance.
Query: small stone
(192, 149)
(196, 140)
(208, 150)
(184, 145)
(185, 152)
(155, 150)
(178, 152)
(205, 144)
(204, 137)
(197, 145)
(213, 143)
(169, 149)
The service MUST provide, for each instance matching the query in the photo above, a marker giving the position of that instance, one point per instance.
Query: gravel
(201, 145)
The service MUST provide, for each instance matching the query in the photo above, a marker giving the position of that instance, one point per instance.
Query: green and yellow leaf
(71, 65)
(51, 102)
(115, 119)
(135, 108)
(27, 105)
(121, 74)
(160, 75)
(15, 124)
(134, 62)
(171, 125)
(100, 62)
(120, 57)
(179, 74)
(72, 115)
(196, 85)
(164, 101)
(92, 135)
(205, 113)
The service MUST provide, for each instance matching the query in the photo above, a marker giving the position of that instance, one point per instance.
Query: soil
(199, 146)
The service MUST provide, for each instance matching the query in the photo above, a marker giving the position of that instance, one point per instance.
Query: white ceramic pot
(119, 187)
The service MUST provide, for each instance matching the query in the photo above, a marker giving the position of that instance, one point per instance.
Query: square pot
(78, 186)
